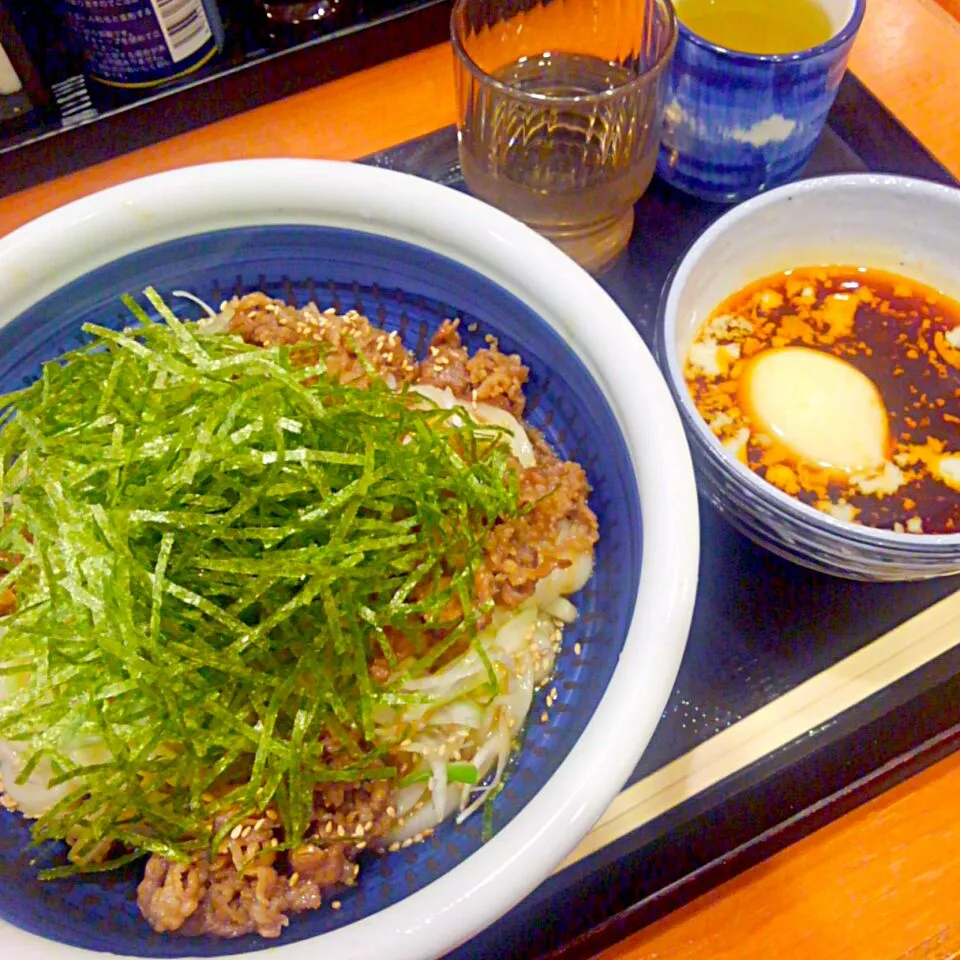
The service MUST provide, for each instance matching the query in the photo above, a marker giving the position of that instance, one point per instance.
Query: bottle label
(142, 42)
(184, 25)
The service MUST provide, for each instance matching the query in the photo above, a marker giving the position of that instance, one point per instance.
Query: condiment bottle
(294, 21)
(22, 89)
(144, 43)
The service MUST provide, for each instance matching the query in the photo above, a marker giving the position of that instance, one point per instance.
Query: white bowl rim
(60, 246)
(723, 226)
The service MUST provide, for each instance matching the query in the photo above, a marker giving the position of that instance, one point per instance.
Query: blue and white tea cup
(736, 124)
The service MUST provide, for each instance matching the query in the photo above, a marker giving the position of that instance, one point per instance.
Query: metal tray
(800, 695)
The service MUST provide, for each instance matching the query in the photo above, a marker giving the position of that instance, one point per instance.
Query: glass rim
(637, 81)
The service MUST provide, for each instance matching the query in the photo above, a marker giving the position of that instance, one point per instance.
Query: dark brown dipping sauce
(903, 335)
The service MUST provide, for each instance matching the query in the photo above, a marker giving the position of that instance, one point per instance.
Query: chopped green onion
(456, 773)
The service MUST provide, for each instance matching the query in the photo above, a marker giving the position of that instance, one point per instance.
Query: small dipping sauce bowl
(737, 124)
(896, 224)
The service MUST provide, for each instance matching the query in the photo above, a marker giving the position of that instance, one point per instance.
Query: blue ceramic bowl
(353, 243)
(737, 124)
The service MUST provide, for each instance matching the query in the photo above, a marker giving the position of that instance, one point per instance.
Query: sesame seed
(391, 812)
(544, 717)
(329, 827)
(294, 879)
(259, 823)
(274, 842)
(246, 832)
(335, 905)
(406, 843)
(578, 648)
(553, 693)
(272, 815)
(394, 847)
(340, 831)
(236, 831)
(472, 327)
(362, 845)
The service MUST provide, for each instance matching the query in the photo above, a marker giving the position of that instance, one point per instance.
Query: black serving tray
(767, 635)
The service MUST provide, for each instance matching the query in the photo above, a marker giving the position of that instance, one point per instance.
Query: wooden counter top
(878, 884)
(881, 882)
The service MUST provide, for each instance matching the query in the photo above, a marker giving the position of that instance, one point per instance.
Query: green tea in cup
(757, 26)
(749, 89)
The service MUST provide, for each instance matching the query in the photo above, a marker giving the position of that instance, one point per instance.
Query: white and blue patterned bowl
(899, 224)
(407, 253)
(737, 124)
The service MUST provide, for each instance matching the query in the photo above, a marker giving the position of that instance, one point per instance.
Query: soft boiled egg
(820, 407)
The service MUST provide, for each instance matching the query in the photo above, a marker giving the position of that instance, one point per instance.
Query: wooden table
(881, 883)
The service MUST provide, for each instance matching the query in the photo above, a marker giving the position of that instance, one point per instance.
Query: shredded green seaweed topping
(210, 544)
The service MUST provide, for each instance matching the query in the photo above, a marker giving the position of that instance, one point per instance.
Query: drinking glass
(559, 109)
